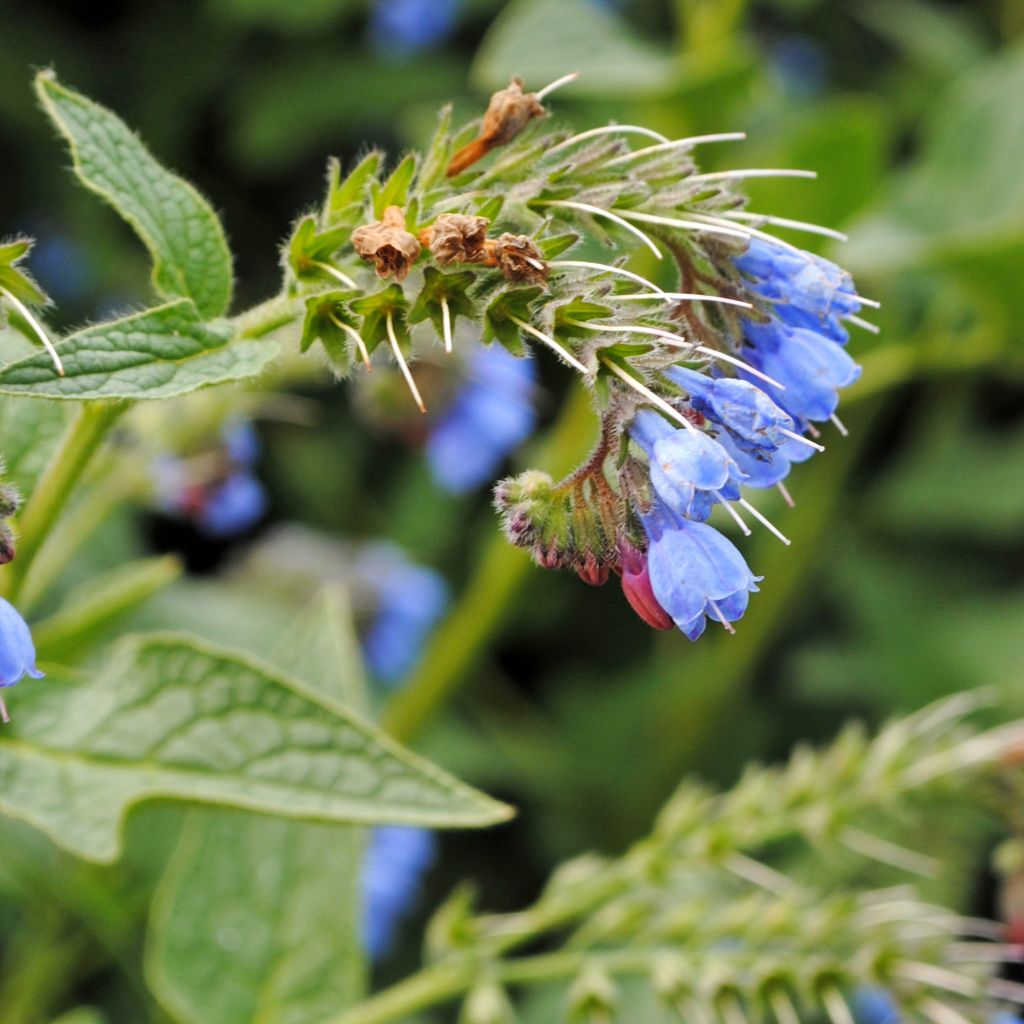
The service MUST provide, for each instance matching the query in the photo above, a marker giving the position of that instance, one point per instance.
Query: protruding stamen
(402, 364)
(785, 222)
(693, 140)
(760, 874)
(940, 1013)
(651, 397)
(609, 269)
(794, 436)
(753, 172)
(839, 425)
(786, 496)
(708, 226)
(873, 303)
(557, 84)
(713, 353)
(835, 1006)
(607, 129)
(551, 343)
(599, 211)
(536, 264)
(889, 853)
(782, 1005)
(337, 274)
(37, 329)
(737, 518)
(731, 1010)
(729, 628)
(813, 431)
(864, 324)
(765, 522)
(446, 325)
(4, 716)
(355, 336)
(681, 297)
(937, 977)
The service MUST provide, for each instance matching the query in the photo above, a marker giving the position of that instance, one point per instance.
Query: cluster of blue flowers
(17, 652)
(491, 415)
(221, 495)
(740, 433)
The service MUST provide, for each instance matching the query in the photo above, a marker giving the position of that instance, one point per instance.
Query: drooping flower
(492, 414)
(17, 651)
(636, 585)
(397, 857)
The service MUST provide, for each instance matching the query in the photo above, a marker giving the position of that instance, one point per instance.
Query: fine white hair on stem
(37, 329)
(402, 364)
(337, 274)
(694, 223)
(355, 336)
(607, 129)
(681, 297)
(598, 211)
(556, 84)
(753, 172)
(864, 324)
(765, 522)
(609, 269)
(446, 325)
(688, 143)
(551, 343)
(642, 389)
(785, 222)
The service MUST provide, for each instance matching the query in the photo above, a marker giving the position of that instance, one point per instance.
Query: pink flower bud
(636, 585)
(592, 572)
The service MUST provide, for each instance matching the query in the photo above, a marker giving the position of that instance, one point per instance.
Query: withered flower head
(387, 245)
(519, 259)
(458, 238)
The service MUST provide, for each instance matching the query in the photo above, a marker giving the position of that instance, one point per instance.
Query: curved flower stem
(80, 442)
(268, 316)
(498, 576)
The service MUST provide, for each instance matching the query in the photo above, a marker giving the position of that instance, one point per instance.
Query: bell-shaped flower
(636, 585)
(17, 652)
(696, 573)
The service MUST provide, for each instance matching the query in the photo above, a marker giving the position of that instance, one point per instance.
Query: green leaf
(171, 717)
(500, 316)
(452, 288)
(345, 198)
(324, 312)
(375, 310)
(29, 432)
(290, 888)
(309, 247)
(435, 163)
(159, 353)
(395, 190)
(581, 310)
(15, 280)
(553, 247)
(184, 237)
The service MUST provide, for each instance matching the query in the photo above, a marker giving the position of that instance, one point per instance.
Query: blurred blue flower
(397, 858)
(17, 652)
(874, 1006)
(410, 601)
(241, 442)
(232, 507)
(491, 415)
(404, 27)
(801, 64)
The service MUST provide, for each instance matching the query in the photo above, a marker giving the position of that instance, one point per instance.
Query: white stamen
(753, 172)
(551, 343)
(886, 852)
(598, 211)
(607, 268)
(940, 1013)
(556, 84)
(813, 431)
(794, 436)
(782, 1005)
(786, 496)
(649, 395)
(858, 322)
(681, 297)
(937, 977)
(873, 303)
(693, 140)
(760, 874)
(608, 129)
(786, 222)
(4, 716)
(446, 325)
(765, 522)
(731, 1011)
(836, 1006)
(729, 628)
(356, 337)
(735, 231)
(744, 529)
(750, 232)
(37, 328)
(536, 264)
(712, 353)
(839, 425)
(1011, 991)
(402, 364)
(327, 268)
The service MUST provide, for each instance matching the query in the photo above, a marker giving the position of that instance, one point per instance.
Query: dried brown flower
(387, 245)
(508, 113)
(458, 238)
(518, 258)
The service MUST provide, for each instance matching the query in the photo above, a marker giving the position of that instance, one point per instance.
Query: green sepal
(395, 190)
(345, 198)
(626, 349)
(319, 324)
(374, 310)
(578, 309)
(489, 207)
(435, 163)
(498, 322)
(453, 288)
(17, 282)
(553, 247)
(309, 246)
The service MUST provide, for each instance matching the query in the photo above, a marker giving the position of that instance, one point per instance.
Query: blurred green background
(905, 580)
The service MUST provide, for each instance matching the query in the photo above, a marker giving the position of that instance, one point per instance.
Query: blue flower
(404, 27)
(874, 1006)
(233, 506)
(241, 442)
(410, 601)
(491, 415)
(695, 572)
(397, 858)
(17, 652)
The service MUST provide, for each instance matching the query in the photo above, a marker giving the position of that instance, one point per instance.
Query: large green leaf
(159, 353)
(170, 717)
(29, 432)
(289, 888)
(190, 255)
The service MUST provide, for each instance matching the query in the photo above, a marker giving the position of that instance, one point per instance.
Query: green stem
(268, 316)
(80, 442)
(498, 576)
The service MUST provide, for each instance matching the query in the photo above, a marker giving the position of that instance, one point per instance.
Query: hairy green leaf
(172, 717)
(190, 254)
(159, 353)
(29, 432)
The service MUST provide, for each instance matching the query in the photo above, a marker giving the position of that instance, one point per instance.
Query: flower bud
(387, 245)
(592, 571)
(636, 585)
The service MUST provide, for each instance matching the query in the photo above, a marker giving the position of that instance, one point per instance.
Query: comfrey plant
(711, 380)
